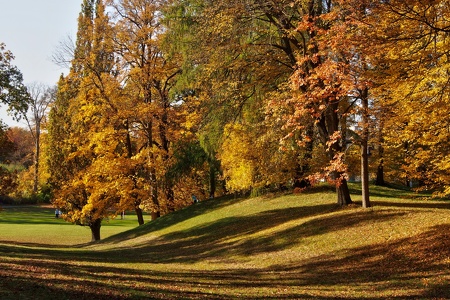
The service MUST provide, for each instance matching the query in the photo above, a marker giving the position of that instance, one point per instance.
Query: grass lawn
(273, 247)
(34, 224)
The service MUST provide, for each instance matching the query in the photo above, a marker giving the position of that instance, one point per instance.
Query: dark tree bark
(343, 193)
(380, 174)
(380, 169)
(95, 229)
(328, 124)
(212, 180)
(139, 215)
(365, 149)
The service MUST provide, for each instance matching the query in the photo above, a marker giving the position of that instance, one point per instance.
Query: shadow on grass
(409, 204)
(401, 264)
(187, 213)
(388, 191)
(418, 264)
(414, 267)
(231, 236)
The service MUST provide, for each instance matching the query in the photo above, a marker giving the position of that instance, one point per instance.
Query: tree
(82, 109)
(24, 146)
(151, 114)
(410, 39)
(12, 91)
(238, 56)
(8, 182)
(41, 97)
(7, 146)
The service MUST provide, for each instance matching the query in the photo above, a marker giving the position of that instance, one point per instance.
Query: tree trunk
(170, 197)
(212, 179)
(327, 125)
(301, 180)
(139, 215)
(380, 169)
(36, 169)
(380, 174)
(95, 229)
(365, 149)
(36, 158)
(156, 211)
(365, 175)
(155, 214)
(343, 193)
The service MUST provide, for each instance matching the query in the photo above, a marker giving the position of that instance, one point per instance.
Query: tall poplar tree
(82, 108)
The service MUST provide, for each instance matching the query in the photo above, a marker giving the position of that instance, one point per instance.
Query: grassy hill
(272, 247)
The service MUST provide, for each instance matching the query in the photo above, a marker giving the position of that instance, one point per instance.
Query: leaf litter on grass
(292, 246)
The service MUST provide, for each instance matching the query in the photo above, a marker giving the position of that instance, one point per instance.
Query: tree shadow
(408, 204)
(232, 235)
(171, 219)
(388, 191)
(386, 265)
(393, 267)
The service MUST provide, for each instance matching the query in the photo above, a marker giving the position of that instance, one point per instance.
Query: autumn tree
(152, 114)
(237, 56)
(330, 81)
(7, 146)
(412, 52)
(40, 99)
(24, 146)
(86, 145)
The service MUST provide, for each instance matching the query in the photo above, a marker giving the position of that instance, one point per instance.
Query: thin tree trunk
(156, 211)
(365, 175)
(380, 169)
(170, 198)
(36, 158)
(380, 174)
(212, 179)
(365, 150)
(36, 168)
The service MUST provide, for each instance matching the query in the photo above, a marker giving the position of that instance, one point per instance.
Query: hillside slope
(292, 246)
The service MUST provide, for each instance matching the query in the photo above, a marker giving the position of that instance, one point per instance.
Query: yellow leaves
(236, 158)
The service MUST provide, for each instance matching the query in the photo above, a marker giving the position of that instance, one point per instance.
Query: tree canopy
(168, 99)
(13, 93)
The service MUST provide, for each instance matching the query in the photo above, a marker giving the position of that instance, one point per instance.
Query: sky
(32, 31)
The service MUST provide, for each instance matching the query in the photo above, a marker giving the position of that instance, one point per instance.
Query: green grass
(34, 224)
(290, 246)
(12, 167)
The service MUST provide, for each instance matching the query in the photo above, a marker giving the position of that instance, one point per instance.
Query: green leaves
(12, 91)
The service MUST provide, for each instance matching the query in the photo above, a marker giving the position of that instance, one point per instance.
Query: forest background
(169, 99)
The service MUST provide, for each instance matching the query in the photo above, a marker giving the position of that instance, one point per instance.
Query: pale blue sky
(32, 30)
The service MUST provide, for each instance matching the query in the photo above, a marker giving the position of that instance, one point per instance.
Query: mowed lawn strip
(292, 246)
(37, 224)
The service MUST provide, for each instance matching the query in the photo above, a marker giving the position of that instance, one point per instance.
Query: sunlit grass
(12, 167)
(287, 246)
(37, 225)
